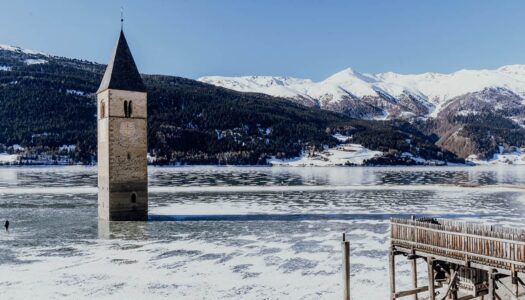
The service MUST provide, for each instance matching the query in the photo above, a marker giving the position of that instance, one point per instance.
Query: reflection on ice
(79, 176)
(122, 230)
(299, 217)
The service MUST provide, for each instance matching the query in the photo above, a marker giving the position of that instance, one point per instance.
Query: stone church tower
(122, 139)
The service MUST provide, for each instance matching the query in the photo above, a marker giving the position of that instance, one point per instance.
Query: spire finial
(121, 18)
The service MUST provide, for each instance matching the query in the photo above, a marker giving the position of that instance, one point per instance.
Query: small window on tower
(102, 110)
(126, 109)
(129, 156)
(130, 109)
(133, 198)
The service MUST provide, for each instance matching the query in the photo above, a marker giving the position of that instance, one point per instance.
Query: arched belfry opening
(128, 108)
(122, 139)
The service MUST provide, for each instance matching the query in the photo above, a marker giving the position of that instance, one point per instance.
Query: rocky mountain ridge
(383, 95)
(469, 111)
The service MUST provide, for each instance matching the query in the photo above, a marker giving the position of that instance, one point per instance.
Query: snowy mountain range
(382, 95)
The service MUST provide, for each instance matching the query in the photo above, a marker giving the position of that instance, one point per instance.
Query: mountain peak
(513, 69)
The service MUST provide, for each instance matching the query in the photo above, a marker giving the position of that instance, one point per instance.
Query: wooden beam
(430, 267)
(463, 234)
(415, 291)
(459, 262)
(411, 292)
(468, 297)
(464, 253)
(451, 287)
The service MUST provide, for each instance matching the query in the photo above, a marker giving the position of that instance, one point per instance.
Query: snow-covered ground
(344, 154)
(422, 161)
(513, 158)
(8, 158)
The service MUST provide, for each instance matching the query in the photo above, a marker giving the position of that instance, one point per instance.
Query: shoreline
(279, 166)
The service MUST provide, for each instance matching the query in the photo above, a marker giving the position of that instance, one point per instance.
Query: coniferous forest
(49, 104)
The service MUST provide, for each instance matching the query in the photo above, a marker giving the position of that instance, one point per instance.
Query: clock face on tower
(127, 129)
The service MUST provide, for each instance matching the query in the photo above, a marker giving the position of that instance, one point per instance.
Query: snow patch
(8, 158)
(342, 138)
(345, 154)
(5, 68)
(68, 148)
(75, 92)
(466, 112)
(35, 61)
(151, 158)
(516, 157)
(17, 147)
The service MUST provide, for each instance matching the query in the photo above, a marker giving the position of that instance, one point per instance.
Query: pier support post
(453, 287)
(345, 245)
(431, 291)
(414, 275)
(491, 295)
(392, 265)
(515, 286)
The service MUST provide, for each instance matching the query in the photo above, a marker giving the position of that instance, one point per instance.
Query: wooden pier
(463, 260)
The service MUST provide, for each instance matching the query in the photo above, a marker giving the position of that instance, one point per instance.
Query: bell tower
(122, 139)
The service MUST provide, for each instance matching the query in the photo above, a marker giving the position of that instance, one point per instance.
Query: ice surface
(231, 232)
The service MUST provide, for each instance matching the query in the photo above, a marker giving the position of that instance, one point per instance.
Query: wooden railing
(494, 246)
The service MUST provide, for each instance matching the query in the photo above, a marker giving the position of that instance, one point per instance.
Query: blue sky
(300, 38)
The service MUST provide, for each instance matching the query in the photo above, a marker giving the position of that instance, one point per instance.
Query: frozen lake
(231, 232)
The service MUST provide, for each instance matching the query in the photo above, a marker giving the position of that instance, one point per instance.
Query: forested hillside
(47, 102)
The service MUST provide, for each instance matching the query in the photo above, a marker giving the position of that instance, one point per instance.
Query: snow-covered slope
(430, 90)
(341, 155)
(21, 50)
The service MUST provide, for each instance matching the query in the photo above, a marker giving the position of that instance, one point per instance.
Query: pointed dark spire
(121, 72)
